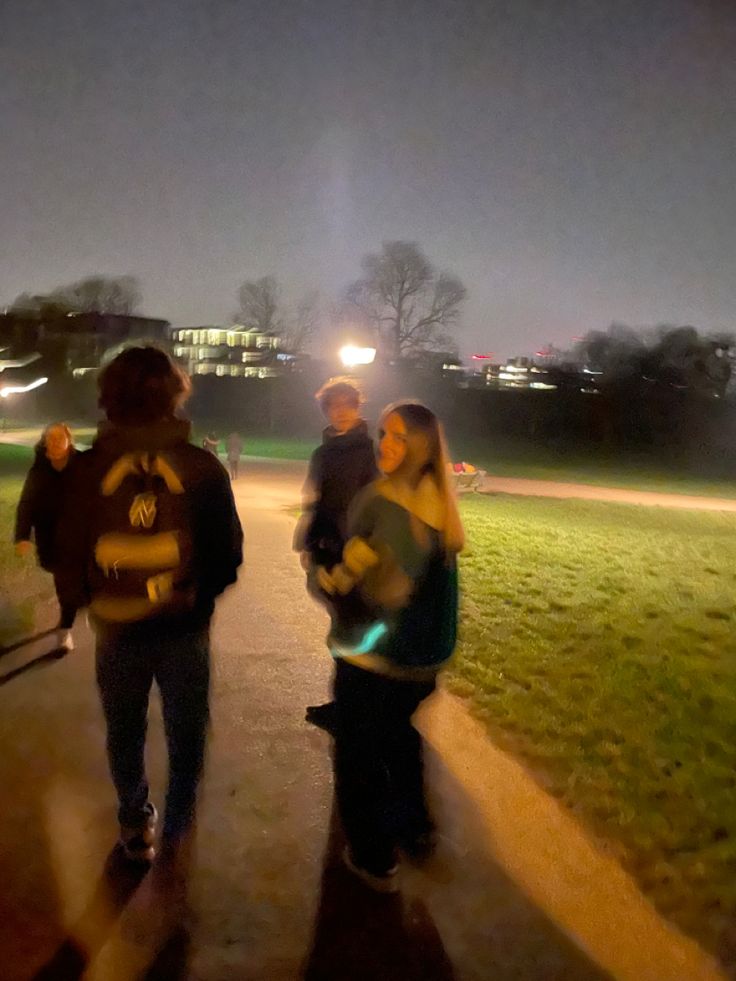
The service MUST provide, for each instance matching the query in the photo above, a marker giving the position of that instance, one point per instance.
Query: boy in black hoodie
(148, 539)
(338, 469)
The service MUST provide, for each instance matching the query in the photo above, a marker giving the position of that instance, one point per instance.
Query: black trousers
(67, 613)
(126, 669)
(379, 766)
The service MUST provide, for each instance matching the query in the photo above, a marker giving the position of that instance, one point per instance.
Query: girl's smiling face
(392, 444)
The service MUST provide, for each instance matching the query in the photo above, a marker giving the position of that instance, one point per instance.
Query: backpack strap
(144, 465)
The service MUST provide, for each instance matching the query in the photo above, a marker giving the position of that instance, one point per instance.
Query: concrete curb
(546, 852)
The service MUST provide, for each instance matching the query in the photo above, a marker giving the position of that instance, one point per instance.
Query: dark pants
(127, 664)
(67, 613)
(379, 768)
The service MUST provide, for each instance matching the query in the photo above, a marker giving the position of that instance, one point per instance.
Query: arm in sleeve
(305, 534)
(388, 570)
(220, 544)
(25, 513)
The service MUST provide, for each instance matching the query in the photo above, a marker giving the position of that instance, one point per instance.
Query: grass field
(24, 588)
(598, 645)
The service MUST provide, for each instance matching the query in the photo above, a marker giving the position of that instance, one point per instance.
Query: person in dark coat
(338, 470)
(38, 511)
(148, 540)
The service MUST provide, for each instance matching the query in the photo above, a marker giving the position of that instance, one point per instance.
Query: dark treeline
(683, 427)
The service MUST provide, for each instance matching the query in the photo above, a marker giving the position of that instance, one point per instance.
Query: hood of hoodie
(162, 435)
(358, 434)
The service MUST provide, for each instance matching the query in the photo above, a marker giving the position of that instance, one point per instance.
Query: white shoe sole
(387, 884)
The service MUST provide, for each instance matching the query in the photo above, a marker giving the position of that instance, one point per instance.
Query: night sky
(573, 162)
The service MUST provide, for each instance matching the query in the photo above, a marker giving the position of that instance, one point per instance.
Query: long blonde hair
(419, 419)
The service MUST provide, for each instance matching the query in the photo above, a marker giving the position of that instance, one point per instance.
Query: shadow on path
(116, 885)
(363, 935)
(38, 662)
(25, 641)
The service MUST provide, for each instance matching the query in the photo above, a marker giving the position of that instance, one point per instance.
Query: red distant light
(482, 357)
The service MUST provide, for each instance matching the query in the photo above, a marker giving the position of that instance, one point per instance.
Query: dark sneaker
(385, 882)
(137, 843)
(322, 716)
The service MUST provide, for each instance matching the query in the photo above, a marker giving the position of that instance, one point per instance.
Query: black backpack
(142, 556)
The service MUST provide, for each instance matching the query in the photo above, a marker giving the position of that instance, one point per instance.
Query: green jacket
(400, 616)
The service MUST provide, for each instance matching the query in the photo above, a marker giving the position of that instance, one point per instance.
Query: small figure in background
(38, 514)
(211, 443)
(234, 447)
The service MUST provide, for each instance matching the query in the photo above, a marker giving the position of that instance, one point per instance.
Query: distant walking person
(400, 565)
(150, 537)
(338, 469)
(234, 448)
(211, 443)
(38, 512)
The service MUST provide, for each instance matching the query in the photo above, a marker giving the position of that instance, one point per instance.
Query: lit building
(515, 373)
(229, 352)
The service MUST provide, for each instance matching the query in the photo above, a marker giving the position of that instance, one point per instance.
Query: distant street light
(19, 389)
(352, 356)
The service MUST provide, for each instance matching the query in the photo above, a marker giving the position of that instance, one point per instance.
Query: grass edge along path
(596, 647)
(548, 853)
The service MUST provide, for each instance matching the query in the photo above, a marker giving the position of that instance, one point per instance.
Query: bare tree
(100, 294)
(302, 327)
(259, 305)
(411, 307)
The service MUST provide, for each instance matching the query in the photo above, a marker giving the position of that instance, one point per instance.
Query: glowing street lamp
(351, 355)
(19, 389)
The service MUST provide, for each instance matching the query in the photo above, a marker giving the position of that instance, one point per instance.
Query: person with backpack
(148, 540)
(38, 510)
(338, 469)
(400, 567)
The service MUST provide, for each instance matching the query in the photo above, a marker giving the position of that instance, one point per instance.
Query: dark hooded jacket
(40, 505)
(215, 531)
(338, 469)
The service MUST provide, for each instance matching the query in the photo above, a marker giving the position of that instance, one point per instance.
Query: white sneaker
(64, 640)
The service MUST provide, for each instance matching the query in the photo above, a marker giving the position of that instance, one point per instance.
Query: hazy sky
(573, 162)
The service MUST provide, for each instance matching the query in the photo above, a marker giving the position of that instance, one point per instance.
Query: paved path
(268, 896)
(589, 492)
(292, 473)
